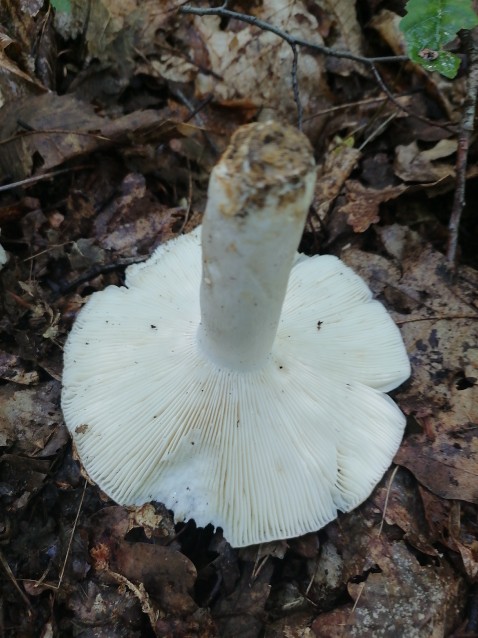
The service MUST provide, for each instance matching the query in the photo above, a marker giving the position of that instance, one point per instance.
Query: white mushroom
(251, 396)
(3, 256)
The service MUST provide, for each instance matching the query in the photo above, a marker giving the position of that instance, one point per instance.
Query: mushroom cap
(265, 454)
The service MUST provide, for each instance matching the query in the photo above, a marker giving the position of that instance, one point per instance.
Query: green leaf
(63, 6)
(431, 24)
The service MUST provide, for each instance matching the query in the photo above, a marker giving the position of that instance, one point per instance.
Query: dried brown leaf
(348, 35)
(386, 23)
(453, 525)
(62, 128)
(241, 613)
(167, 575)
(399, 597)
(12, 368)
(439, 322)
(400, 502)
(413, 165)
(340, 160)
(248, 63)
(363, 204)
(30, 416)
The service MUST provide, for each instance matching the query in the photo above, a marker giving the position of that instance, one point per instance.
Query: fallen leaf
(240, 613)
(167, 575)
(401, 505)
(413, 165)
(454, 526)
(340, 160)
(386, 23)
(253, 64)
(399, 597)
(61, 128)
(13, 369)
(363, 204)
(447, 463)
(439, 322)
(30, 416)
(347, 35)
(116, 610)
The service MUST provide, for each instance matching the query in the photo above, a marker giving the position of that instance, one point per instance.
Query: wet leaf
(431, 24)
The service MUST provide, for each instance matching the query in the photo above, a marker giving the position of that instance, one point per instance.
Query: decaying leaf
(167, 575)
(413, 165)
(439, 322)
(29, 416)
(246, 62)
(115, 610)
(347, 32)
(399, 597)
(239, 614)
(452, 524)
(340, 160)
(362, 203)
(387, 22)
(61, 128)
(13, 369)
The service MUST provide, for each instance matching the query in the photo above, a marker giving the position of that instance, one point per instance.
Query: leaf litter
(117, 136)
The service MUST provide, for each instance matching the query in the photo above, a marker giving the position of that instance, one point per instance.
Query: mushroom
(3, 256)
(248, 393)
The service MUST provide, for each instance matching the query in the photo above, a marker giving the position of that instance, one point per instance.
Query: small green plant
(63, 6)
(431, 24)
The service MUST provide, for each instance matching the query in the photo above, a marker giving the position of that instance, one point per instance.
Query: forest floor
(113, 114)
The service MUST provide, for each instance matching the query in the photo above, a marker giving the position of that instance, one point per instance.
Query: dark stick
(294, 42)
(466, 130)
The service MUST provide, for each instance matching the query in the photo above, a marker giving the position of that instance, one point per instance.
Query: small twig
(294, 42)
(189, 200)
(11, 575)
(385, 505)
(223, 12)
(400, 322)
(68, 549)
(258, 565)
(142, 596)
(295, 86)
(466, 130)
(39, 178)
(376, 132)
(52, 131)
(195, 114)
(101, 269)
(346, 105)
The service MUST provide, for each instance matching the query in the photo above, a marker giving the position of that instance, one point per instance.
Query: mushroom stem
(258, 199)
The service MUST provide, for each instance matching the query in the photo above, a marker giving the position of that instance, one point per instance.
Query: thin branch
(466, 130)
(294, 42)
(223, 12)
(39, 178)
(295, 86)
(75, 523)
(387, 496)
(401, 322)
(11, 576)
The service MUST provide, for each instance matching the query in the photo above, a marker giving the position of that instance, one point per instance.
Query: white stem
(258, 198)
